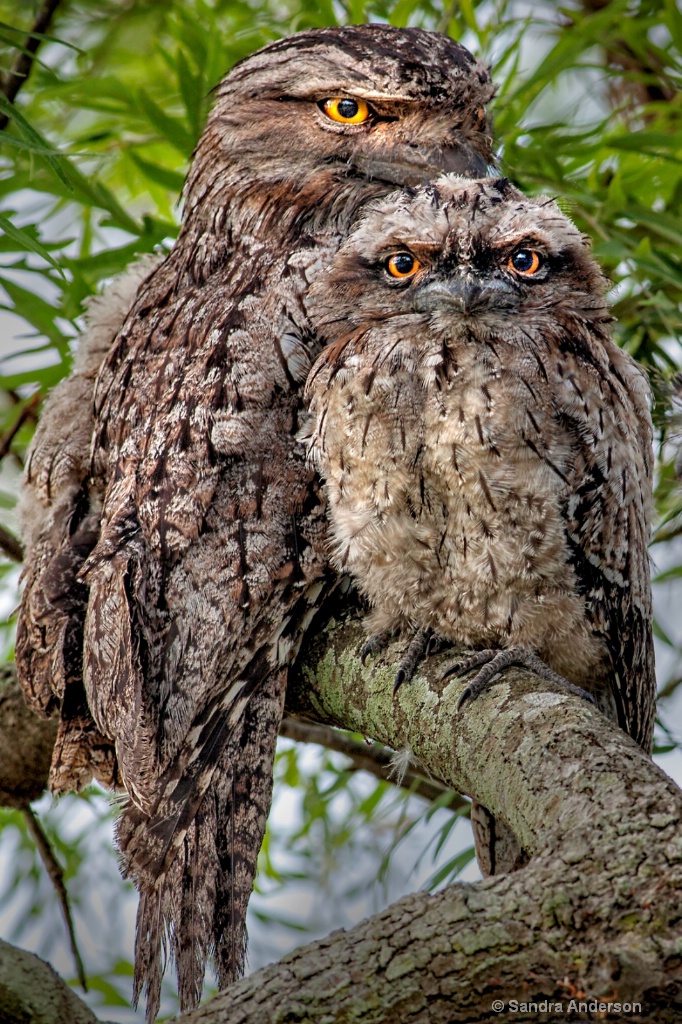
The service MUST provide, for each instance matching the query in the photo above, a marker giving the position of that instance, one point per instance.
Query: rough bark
(26, 743)
(31, 992)
(594, 918)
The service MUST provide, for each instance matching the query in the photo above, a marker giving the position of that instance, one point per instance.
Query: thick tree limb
(594, 918)
(373, 758)
(26, 743)
(595, 912)
(23, 63)
(31, 991)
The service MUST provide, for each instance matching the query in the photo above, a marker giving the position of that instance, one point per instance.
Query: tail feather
(194, 893)
(239, 845)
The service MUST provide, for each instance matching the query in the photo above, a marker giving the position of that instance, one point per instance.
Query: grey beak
(460, 159)
(408, 165)
(458, 294)
(465, 294)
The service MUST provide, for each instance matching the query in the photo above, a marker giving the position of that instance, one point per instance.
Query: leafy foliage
(94, 156)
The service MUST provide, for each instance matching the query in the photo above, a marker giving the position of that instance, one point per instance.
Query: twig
(24, 61)
(26, 413)
(54, 870)
(11, 545)
(378, 760)
(670, 688)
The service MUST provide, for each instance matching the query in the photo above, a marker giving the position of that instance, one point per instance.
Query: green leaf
(36, 311)
(172, 180)
(193, 93)
(169, 128)
(450, 870)
(52, 156)
(32, 34)
(25, 241)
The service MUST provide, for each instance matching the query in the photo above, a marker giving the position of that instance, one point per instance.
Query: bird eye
(346, 111)
(524, 261)
(402, 265)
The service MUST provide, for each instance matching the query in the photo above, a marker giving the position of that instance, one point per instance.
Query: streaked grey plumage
(486, 447)
(175, 563)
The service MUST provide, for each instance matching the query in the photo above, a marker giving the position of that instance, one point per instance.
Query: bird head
(367, 103)
(473, 257)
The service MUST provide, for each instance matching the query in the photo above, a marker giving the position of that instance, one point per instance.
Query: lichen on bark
(594, 917)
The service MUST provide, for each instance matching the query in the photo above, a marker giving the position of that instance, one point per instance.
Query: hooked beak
(407, 165)
(464, 294)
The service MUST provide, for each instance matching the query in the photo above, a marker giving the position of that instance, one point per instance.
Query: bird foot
(491, 663)
(418, 649)
(422, 644)
(375, 645)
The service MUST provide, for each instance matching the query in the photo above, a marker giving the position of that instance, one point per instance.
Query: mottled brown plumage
(485, 445)
(181, 550)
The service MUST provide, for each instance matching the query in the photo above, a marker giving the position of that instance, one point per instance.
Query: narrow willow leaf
(24, 241)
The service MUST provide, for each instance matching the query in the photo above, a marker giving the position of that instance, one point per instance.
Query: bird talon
(453, 670)
(374, 645)
(465, 696)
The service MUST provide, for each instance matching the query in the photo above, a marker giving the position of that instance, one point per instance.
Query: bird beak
(408, 165)
(463, 294)
(460, 159)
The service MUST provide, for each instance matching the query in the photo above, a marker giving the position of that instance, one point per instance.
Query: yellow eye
(403, 265)
(346, 111)
(524, 261)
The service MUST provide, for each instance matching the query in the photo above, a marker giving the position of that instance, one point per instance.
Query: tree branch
(31, 990)
(370, 757)
(26, 743)
(27, 413)
(23, 63)
(642, 79)
(11, 545)
(593, 918)
(595, 915)
(56, 874)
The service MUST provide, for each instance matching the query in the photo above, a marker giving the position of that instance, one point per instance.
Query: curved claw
(436, 644)
(413, 655)
(365, 653)
(467, 694)
(374, 645)
(490, 663)
(400, 678)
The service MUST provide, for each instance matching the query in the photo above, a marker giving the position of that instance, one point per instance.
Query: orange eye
(346, 111)
(524, 261)
(402, 265)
